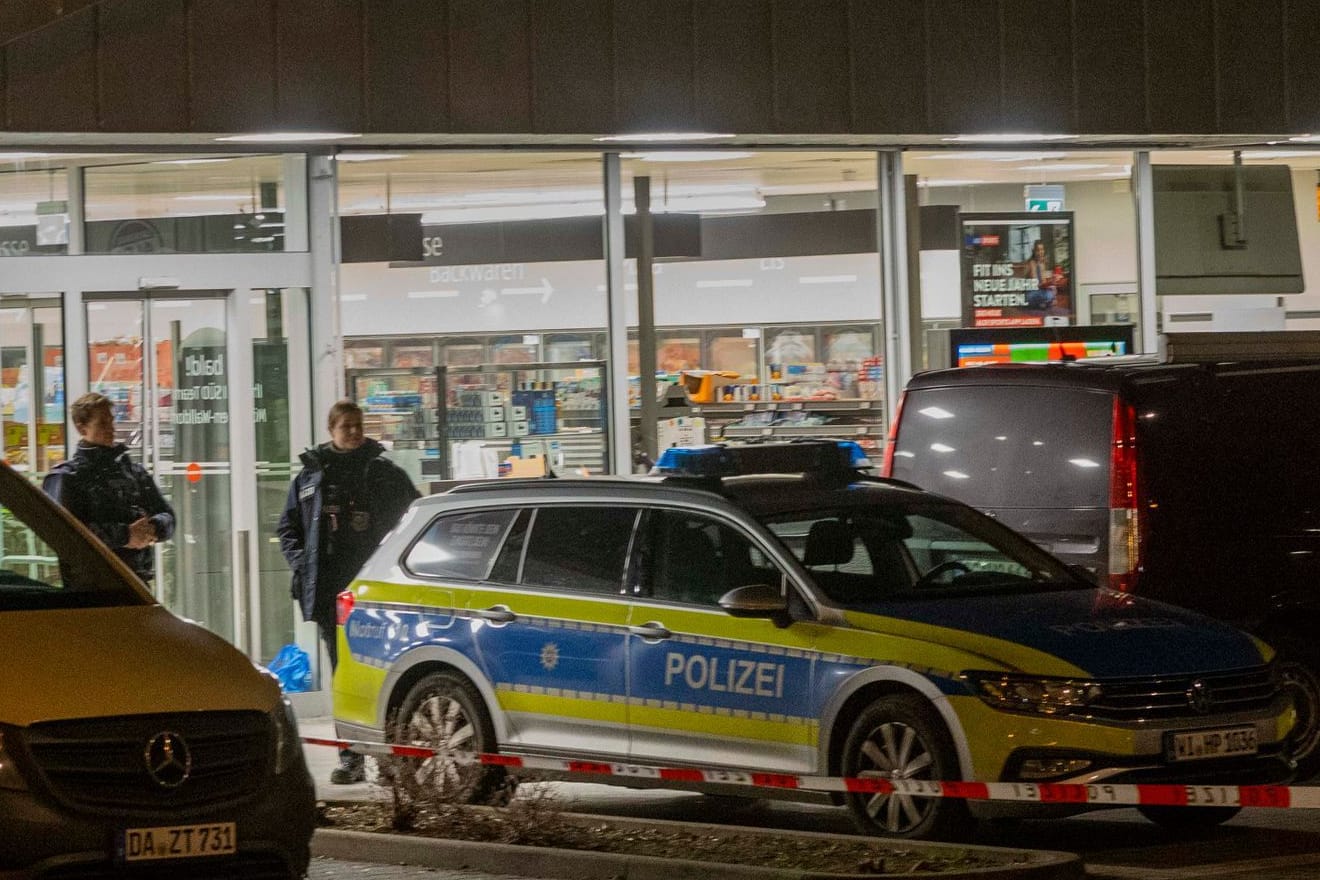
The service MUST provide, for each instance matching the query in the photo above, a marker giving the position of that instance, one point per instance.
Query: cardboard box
(531, 466)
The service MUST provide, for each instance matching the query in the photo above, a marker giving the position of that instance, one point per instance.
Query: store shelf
(741, 432)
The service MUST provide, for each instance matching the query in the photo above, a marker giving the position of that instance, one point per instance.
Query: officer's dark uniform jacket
(107, 491)
(327, 540)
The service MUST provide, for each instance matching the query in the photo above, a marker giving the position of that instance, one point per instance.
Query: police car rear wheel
(899, 737)
(444, 712)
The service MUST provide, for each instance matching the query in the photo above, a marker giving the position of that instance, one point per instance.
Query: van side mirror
(756, 600)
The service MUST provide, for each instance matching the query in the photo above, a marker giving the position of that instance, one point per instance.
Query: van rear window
(1008, 446)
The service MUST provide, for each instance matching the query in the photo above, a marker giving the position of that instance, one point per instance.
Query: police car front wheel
(899, 737)
(443, 711)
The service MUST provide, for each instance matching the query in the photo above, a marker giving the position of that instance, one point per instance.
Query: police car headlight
(9, 775)
(1044, 696)
(288, 745)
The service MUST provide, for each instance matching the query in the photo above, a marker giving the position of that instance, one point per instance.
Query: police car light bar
(714, 461)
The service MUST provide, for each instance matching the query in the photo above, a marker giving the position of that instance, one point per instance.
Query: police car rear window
(460, 545)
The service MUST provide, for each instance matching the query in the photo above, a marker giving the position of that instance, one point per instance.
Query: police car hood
(1106, 633)
(140, 659)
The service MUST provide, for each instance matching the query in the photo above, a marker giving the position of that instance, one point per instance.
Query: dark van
(1196, 482)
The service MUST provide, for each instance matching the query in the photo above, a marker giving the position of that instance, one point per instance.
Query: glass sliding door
(32, 384)
(161, 360)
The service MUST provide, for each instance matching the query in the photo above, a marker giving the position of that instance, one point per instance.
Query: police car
(776, 609)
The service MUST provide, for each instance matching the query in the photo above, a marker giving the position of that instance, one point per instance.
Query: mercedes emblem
(168, 759)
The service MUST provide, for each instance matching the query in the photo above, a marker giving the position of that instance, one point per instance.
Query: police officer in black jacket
(340, 506)
(111, 494)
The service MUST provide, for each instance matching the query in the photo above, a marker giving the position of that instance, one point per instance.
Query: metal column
(616, 322)
(323, 247)
(891, 232)
(1143, 193)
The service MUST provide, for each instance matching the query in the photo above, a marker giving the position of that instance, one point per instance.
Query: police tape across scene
(1273, 796)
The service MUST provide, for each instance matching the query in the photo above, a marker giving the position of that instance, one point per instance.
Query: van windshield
(45, 563)
(858, 556)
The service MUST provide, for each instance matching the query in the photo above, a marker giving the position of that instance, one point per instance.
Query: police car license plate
(1197, 745)
(179, 841)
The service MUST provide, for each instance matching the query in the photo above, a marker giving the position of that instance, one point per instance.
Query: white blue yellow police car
(776, 609)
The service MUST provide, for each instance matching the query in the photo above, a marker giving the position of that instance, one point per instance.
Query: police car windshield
(860, 555)
(45, 563)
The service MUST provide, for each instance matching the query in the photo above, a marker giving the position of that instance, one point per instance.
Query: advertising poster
(1017, 269)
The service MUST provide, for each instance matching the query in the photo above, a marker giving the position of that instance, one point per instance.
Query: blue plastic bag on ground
(293, 668)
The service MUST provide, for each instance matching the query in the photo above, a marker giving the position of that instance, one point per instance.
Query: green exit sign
(1044, 205)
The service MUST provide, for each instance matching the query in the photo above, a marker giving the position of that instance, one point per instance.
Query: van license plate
(179, 841)
(1200, 744)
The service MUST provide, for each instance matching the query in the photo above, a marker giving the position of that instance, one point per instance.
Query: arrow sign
(544, 290)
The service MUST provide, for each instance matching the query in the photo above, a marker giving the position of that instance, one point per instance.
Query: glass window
(695, 559)
(45, 563)
(462, 546)
(863, 555)
(34, 210)
(191, 205)
(579, 548)
(982, 445)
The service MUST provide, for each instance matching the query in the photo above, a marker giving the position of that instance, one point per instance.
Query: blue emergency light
(714, 461)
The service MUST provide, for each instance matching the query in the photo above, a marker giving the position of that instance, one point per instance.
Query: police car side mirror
(756, 600)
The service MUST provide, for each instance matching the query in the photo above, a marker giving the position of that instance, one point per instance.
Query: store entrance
(208, 388)
(32, 383)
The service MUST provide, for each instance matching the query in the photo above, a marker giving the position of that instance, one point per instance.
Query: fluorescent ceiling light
(215, 197)
(1084, 462)
(989, 156)
(1305, 139)
(661, 137)
(689, 156)
(1280, 154)
(19, 157)
(941, 447)
(1006, 138)
(956, 475)
(950, 181)
(1047, 167)
(190, 161)
(287, 137)
(367, 157)
(936, 412)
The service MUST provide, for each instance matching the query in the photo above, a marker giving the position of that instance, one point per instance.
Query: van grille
(100, 763)
(1171, 696)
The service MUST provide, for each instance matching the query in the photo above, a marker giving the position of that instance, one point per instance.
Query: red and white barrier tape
(1275, 796)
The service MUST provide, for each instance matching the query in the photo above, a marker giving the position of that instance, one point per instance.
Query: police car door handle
(496, 614)
(651, 631)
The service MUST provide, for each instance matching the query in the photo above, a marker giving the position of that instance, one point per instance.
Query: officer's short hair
(340, 409)
(83, 410)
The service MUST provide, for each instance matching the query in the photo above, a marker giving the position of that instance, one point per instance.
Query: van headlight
(288, 745)
(1035, 694)
(9, 775)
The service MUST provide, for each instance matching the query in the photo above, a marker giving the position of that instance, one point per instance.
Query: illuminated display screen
(970, 354)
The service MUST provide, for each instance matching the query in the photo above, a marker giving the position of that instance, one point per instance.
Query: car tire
(444, 711)
(1303, 684)
(1188, 818)
(900, 737)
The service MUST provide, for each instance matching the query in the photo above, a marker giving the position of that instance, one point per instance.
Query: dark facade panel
(887, 44)
(142, 61)
(407, 65)
(735, 75)
(1182, 80)
(1110, 58)
(1251, 96)
(231, 45)
(319, 60)
(50, 82)
(490, 81)
(966, 73)
(18, 19)
(653, 65)
(572, 66)
(811, 65)
(1302, 65)
(1038, 66)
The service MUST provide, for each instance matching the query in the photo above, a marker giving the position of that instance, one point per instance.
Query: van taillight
(1125, 515)
(887, 468)
(344, 606)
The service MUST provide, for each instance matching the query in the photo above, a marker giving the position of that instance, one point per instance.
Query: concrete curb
(547, 862)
